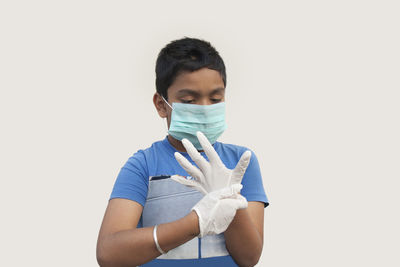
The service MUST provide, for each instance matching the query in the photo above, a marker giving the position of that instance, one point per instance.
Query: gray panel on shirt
(168, 201)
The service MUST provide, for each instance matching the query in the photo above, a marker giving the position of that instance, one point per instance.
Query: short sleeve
(253, 189)
(132, 181)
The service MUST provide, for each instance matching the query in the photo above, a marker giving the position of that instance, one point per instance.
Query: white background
(313, 89)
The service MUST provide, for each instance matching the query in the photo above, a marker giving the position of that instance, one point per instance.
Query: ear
(160, 105)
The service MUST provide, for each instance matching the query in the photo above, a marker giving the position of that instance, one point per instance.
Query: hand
(217, 209)
(213, 175)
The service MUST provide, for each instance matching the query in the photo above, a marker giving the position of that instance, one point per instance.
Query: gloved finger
(240, 169)
(189, 183)
(187, 166)
(195, 155)
(227, 192)
(209, 149)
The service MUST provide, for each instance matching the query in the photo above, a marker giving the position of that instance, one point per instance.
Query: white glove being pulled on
(213, 175)
(217, 209)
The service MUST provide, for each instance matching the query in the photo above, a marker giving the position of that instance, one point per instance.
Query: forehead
(203, 81)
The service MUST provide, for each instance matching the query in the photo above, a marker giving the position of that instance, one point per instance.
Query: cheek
(168, 118)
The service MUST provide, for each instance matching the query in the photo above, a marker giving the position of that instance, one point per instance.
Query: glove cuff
(195, 209)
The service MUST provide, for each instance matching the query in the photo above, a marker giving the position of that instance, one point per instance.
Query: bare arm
(244, 236)
(120, 243)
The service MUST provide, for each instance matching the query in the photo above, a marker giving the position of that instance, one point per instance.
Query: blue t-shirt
(145, 178)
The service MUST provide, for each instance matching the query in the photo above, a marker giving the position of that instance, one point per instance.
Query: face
(201, 87)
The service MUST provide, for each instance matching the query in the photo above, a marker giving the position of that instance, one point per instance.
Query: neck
(176, 144)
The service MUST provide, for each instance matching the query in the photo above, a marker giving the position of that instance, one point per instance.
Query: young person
(187, 200)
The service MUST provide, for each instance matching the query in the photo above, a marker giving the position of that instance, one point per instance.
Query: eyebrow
(195, 93)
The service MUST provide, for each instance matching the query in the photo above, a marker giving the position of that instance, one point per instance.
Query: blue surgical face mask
(187, 119)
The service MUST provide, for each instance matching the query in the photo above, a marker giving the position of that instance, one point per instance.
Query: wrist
(193, 221)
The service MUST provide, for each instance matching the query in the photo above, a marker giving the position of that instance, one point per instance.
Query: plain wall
(313, 89)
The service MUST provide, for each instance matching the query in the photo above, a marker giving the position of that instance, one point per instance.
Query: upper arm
(253, 188)
(256, 213)
(127, 198)
(121, 214)
(253, 191)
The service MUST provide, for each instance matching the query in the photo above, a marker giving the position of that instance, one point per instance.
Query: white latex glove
(217, 209)
(213, 175)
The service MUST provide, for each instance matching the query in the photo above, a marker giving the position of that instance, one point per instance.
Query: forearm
(136, 246)
(242, 239)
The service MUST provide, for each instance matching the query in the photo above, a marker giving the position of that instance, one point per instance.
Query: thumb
(241, 167)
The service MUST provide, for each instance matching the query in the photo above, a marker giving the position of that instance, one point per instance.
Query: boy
(164, 211)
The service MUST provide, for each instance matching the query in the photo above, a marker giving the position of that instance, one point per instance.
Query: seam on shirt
(199, 247)
(173, 195)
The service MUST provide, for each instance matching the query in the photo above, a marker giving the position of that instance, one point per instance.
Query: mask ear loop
(167, 102)
(166, 122)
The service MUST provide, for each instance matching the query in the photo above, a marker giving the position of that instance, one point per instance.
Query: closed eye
(187, 101)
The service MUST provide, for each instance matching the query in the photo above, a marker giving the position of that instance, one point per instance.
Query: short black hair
(186, 54)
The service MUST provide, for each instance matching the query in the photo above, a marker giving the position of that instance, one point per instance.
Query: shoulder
(142, 156)
(153, 159)
(133, 178)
